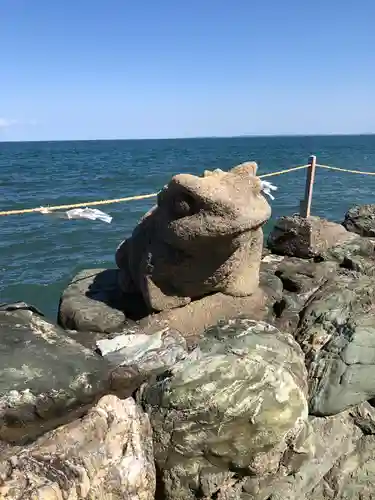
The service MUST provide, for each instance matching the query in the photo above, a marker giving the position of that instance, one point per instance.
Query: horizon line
(242, 136)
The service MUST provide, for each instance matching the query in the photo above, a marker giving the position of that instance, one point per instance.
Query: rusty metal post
(305, 206)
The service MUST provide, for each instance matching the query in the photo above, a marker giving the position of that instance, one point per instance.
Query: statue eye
(183, 205)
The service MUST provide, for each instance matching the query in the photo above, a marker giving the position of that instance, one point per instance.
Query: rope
(286, 171)
(78, 205)
(345, 170)
(120, 200)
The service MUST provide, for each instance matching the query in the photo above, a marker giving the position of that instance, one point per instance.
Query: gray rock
(337, 334)
(356, 254)
(304, 278)
(286, 312)
(233, 408)
(297, 236)
(352, 477)
(330, 439)
(360, 219)
(93, 302)
(299, 279)
(364, 417)
(269, 282)
(45, 377)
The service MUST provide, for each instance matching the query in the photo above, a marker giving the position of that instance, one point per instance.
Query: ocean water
(40, 254)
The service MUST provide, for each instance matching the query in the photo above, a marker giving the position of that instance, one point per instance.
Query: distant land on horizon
(190, 138)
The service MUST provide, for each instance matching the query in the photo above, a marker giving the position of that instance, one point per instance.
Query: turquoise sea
(39, 254)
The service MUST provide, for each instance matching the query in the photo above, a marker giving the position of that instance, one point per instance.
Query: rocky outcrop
(361, 220)
(330, 439)
(203, 236)
(356, 254)
(46, 378)
(352, 477)
(107, 454)
(304, 278)
(297, 236)
(300, 280)
(236, 407)
(337, 335)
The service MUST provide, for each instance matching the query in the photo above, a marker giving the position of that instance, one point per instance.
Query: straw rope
(286, 171)
(337, 169)
(78, 205)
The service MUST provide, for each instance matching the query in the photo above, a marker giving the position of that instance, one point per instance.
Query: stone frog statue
(203, 236)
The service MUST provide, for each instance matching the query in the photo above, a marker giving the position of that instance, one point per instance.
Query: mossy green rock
(234, 408)
(337, 334)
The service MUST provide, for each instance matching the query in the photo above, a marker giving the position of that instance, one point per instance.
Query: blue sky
(162, 68)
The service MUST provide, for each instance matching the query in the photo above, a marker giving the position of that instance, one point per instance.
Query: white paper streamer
(88, 213)
(79, 213)
(267, 187)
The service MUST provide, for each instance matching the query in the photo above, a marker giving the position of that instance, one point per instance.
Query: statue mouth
(213, 236)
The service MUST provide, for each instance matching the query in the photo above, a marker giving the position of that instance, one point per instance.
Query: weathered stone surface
(329, 438)
(352, 476)
(364, 418)
(203, 236)
(106, 455)
(135, 358)
(353, 479)
(269, 282)
(356, 254)
(297, 236)
(45, 377)
(93, 302)
(299, 279)
(337, 334)
(236, 407)
(193, 319)
(304, 278)
(360, 219)
(286, 312)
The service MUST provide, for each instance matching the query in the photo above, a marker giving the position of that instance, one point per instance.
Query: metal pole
(305, 209)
